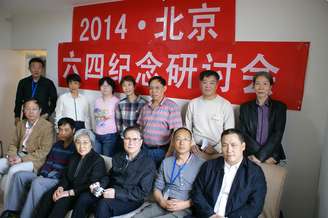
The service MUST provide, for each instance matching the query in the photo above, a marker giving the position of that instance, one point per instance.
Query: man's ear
(243, 146)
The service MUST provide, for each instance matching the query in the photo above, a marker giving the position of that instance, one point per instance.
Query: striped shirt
(158, 123)
(57, 160)
(127, 112)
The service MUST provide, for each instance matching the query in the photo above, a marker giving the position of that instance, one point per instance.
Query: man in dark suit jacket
(230, 186)
(38, 87)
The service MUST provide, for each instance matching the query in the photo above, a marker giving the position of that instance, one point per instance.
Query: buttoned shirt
(229, 175)
(127, 112)
(262, 130)
(157, 123)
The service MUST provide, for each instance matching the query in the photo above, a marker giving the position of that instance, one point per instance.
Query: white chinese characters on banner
(252, 68)
(173, 20)
(118, 64)
(198, 22)
(71, 60)
(150, 63)
(94, 67)
(187, 67)
(228, 66)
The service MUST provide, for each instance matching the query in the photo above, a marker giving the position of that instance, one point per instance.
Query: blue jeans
(156, 153)
(106, 144)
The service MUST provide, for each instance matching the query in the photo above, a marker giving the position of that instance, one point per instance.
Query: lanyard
(34, 86)
(172, 179)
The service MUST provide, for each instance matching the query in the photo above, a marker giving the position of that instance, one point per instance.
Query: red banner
(178, 40)
(184, 23)
(235, 62)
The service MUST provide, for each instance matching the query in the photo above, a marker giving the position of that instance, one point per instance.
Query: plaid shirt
(127, 113)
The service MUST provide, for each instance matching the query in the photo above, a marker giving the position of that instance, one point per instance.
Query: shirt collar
(28, 125)
(160, 104)
(228, 167)
(266, 103)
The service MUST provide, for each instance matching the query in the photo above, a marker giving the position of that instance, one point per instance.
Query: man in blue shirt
(48, 176)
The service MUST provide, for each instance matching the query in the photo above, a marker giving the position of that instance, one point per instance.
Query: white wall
(11, 70)
(323, 190)
(257, 20)
(5, 33)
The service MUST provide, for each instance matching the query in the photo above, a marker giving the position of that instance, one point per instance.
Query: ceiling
(12, 7)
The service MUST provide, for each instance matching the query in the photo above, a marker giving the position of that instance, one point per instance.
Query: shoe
(9, 214)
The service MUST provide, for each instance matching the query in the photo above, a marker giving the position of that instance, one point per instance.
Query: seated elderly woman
(30, 145)
(85, 168)
(129, 181)
(262, 122)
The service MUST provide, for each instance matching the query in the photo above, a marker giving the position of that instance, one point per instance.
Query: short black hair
(233, 131)
(108, 80)
(208, 73)
(35, 100)
(73, 77)
(159, 79)
(38, 60)
(182, 128)
(265, 74)
(132, 128)
(128, 78)
(66, 120)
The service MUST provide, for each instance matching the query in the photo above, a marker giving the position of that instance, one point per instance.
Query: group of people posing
(204, 167)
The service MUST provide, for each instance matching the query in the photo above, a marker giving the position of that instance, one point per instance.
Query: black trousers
(48, 208)
(102, 207)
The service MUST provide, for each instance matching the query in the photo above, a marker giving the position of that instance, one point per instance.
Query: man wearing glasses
(30, 145)
(174, 181)
(128, 182)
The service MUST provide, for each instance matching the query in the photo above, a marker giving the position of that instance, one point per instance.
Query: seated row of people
(230, 186)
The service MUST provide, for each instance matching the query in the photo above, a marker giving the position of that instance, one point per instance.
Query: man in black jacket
(128, 182)
(36, 86)
(230, 186)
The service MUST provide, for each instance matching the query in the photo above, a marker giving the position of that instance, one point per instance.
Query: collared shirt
(229, 175)
(158, 123)
(45, 92)
(127, 112)
(262, 130)
(75, 108)
(181, 187)
(28, 131)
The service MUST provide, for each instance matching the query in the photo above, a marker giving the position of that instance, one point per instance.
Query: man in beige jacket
(30, 145)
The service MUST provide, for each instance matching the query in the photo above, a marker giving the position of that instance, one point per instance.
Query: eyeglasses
(131, 139)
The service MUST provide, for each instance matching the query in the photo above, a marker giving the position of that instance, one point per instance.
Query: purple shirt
(262, 123)
(158, 123)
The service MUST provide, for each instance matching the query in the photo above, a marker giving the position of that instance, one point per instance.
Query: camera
(97, 191)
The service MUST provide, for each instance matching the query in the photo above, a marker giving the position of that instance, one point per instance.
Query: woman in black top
(85, 168)
(262, 121)
(130, 180)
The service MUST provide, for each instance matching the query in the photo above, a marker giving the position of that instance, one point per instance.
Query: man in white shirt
(230, 186)
(208, 115)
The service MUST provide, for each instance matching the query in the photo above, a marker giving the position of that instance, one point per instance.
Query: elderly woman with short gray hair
(84, 168)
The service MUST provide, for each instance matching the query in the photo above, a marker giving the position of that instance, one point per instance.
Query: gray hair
(86, 132)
